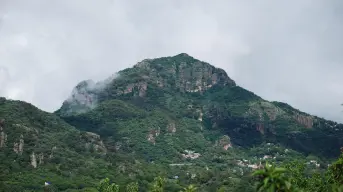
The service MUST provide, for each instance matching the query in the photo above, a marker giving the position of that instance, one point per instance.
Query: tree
(296, 173)
(336, 171)
(105, 186)
(132, 187)
(158, 185)
(190, 188)
(273, 179)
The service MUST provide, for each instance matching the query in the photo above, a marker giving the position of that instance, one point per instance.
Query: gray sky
(288, 51)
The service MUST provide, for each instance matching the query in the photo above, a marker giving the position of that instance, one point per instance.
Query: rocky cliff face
(184, 73)
(3, 135)
(304, 120)
(94, 142)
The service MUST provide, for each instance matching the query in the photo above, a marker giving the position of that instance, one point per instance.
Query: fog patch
(85, 95)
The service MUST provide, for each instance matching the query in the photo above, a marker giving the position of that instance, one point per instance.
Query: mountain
(184, 88)
(169, 116)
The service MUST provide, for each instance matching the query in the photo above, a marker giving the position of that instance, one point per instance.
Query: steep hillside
(38, 147)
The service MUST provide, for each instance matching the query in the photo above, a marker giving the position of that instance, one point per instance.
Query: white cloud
(282, 50)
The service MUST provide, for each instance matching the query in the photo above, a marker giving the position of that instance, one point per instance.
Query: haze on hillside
(285, 51)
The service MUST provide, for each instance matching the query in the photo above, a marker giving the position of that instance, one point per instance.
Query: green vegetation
(291, 177)
(273, 179)
(167, 124)
(294, 177)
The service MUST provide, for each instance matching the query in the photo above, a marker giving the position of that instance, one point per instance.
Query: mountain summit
(181, 73)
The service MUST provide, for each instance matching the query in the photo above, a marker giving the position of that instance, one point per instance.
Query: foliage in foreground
(292, 177)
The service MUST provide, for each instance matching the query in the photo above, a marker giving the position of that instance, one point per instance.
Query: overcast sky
(289, 51)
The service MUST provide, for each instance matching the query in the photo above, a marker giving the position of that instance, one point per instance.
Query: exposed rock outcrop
(171, 127)
(83, 93)
(260, 127)
(224, 142)
(306, 121)
(2, 123)
(33, 160)
(200, 76)
(18, 147)
(201, 114)
(3, 137)
(40, 158)
(52, 152)
(153, 134)
(139, 89)
(94, 141)
(262, 108)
